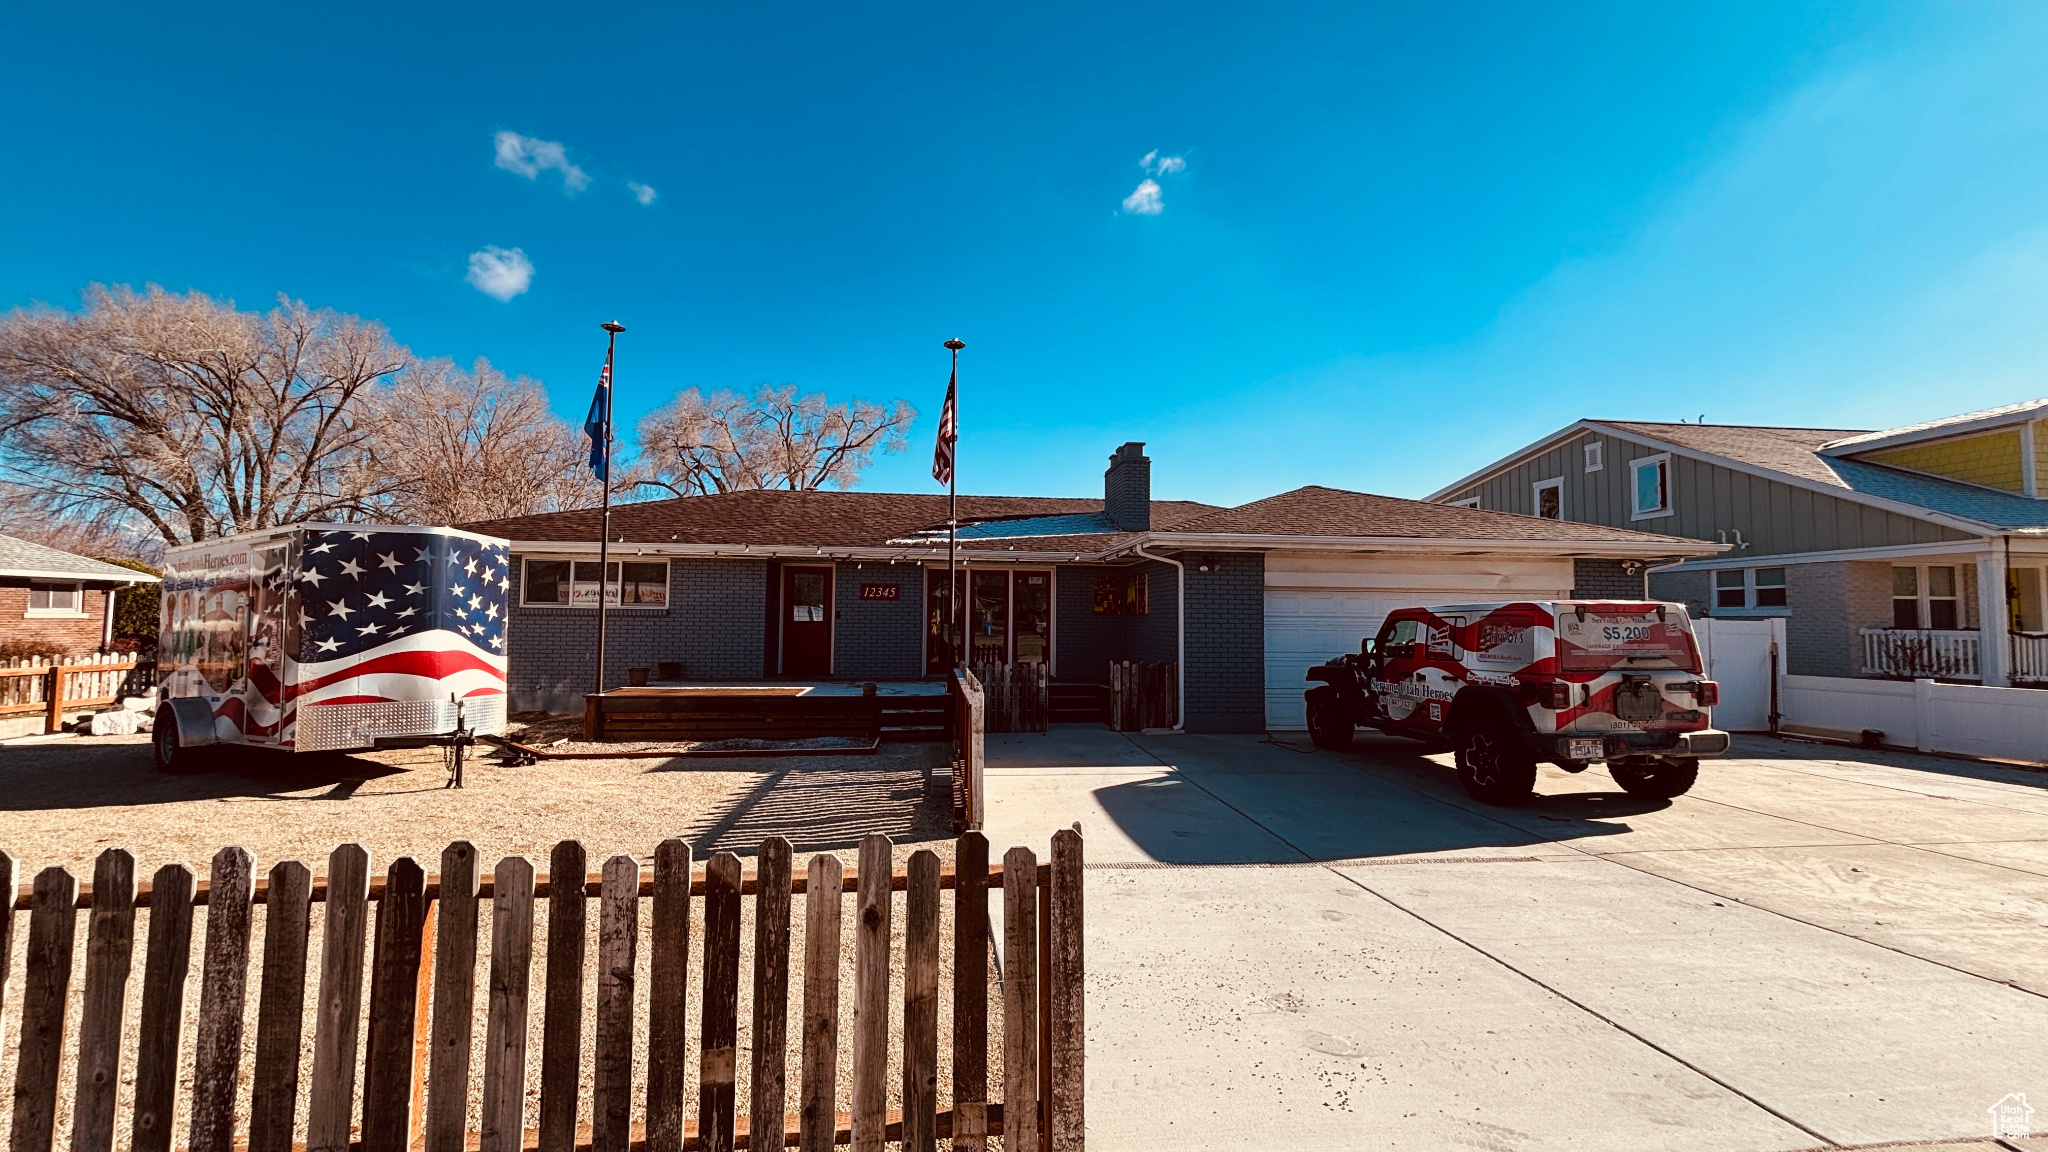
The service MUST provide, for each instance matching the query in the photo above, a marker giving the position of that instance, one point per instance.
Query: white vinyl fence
(1966, 719)
(1738, 656)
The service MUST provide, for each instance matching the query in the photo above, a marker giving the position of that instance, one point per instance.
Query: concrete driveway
(1290, 948)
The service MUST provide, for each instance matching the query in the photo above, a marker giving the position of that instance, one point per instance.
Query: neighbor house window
(1731, 589)
(1941, 597)
(56, 599)
(1594, 461)
(1905, 597)
(573, 584)
(1926, 597)
(1549, 496)
(1651, 485)
(1744, 588)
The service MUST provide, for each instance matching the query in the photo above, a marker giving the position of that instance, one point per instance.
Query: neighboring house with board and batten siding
(1912, 552)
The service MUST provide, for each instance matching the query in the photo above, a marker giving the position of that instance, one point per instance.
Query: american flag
(399, 616)
(949, 434)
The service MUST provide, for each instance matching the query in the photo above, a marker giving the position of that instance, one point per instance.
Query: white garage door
(1319, 606)
(1305, 629)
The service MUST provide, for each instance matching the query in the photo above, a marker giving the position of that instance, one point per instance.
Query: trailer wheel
(1655, 779)
(1328, 726)
(1493, 764)
(171, 755)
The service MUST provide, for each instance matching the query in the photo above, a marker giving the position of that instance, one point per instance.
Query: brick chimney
(1127, 488)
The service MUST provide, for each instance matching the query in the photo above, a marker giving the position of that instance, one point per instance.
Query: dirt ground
(64, 803)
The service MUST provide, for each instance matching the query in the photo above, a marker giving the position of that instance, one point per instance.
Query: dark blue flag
(594, 425)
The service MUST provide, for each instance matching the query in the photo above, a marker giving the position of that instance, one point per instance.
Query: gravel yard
(63, 803)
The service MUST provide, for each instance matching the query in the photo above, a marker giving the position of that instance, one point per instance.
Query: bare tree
(188, 414)
(449, 446)
(697, 444)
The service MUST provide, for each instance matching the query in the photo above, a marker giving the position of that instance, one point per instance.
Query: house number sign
(881, 591)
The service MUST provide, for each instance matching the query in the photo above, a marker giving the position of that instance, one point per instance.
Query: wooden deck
(767, 712)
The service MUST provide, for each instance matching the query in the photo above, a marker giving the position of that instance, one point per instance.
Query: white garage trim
(1319, 606)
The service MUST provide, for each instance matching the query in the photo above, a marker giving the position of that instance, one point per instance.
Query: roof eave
(1875, 441)
(1618, 549)
(1510, 460)
(128, 576)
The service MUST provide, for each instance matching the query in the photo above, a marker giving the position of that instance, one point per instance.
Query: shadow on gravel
(829, 802)
(94, 774)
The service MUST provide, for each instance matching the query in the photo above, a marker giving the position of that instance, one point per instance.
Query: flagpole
(612, 329)
(953, 519)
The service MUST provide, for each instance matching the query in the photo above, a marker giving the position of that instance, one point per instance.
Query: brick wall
(712, 625)
(1226, 657)
(1083, 643)
(1155, 636)
(1604, 580)
(1819, 640)
(64, 636)
(1868, 596)
(1691, 589)
(881, 639)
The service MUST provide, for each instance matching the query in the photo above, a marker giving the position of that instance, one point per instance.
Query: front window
(573, 584)
(1905, 597)
(55, 599)
(1941, 597)
(1651, 478)
(1550, 499)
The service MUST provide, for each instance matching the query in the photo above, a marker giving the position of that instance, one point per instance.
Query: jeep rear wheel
(1328, 726)
(1655, 779)
(1493, 764)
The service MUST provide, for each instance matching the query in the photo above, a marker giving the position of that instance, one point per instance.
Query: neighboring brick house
(852, 585)
(56, 601)
(1919, 551)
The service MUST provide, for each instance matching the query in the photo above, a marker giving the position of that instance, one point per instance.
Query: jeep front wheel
(1494, 765)
(1655, 779)
(1328, 726)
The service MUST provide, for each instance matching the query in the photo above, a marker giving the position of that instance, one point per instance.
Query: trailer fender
(194, 718)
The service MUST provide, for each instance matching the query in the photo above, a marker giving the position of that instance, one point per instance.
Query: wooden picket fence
(421, 999)
(70, 684)
(1143, 695)
(1016, 696)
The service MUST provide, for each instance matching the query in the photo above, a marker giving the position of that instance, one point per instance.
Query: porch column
(1994, 657)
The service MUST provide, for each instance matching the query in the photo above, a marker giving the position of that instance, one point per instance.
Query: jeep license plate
(1587, 750)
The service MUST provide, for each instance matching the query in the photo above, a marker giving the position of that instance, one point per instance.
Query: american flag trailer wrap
(331, 637)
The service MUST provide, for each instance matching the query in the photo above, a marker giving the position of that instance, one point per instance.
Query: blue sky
(1403, 239)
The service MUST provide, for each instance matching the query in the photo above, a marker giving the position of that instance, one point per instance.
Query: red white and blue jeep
(1509, 686)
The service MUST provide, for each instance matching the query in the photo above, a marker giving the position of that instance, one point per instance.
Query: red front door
(807, 621)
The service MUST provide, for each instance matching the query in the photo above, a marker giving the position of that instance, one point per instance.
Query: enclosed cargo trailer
(331, 638)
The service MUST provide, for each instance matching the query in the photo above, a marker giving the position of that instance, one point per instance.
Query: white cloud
(641, 192)
(1145, 200)
(1158, 165)
(530, 157)
(501, 273)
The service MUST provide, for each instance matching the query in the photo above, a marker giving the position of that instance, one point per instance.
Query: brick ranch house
(852, 585)
(56, 601)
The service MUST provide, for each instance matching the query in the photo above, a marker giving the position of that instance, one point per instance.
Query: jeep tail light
(1554, 695)
(1706, 694)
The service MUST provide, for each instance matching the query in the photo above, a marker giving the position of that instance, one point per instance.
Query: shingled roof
(1032, 524)
(23, 559)
(1793, 451)
(804, 519)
